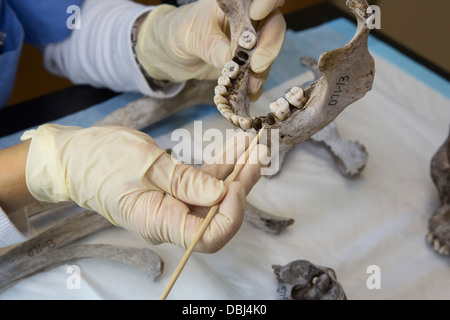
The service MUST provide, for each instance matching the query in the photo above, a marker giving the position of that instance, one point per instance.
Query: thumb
(217, 49)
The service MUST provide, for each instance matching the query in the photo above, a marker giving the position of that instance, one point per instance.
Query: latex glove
(189, 42)
(122, 174)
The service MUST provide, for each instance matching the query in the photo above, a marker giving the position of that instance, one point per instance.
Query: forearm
(100, 52)
(14, 193)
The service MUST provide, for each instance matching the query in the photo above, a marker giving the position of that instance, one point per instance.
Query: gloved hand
(122, 174)
(189, 42)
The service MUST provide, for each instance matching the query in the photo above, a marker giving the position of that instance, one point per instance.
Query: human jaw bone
(348, 74)
(302, 280)
(439, 224)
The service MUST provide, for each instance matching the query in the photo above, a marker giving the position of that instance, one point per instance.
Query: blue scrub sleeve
(44, 21)
(10, 50)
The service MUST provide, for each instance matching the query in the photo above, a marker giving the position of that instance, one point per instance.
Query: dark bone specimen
(51, 248)
(266, 221)
(348, 74)
(302, 280)
(439, 224)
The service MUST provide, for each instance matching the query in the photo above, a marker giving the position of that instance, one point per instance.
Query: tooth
(247, 40)
(227, 115)
(295, 96)
(220, 90)
(444, 250)
(223, 108)
(430, 238)
(224, 81)
(281, 109)
(245, 123)
(437, 245)
(219, 99)
(314, 280)
(230, 70)
(235, 119)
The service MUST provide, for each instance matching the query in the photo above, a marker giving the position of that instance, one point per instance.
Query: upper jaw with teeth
(348, 74)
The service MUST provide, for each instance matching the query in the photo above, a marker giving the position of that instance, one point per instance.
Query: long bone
(439, 224)
(142, 259)
(57, 236)
(348, 74)
(51, 248)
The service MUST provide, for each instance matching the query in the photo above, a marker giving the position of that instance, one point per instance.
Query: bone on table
(143, 259)
(439, 224)
(50, 248)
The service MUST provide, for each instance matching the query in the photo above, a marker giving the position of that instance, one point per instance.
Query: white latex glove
(122, 174)
(189, 42)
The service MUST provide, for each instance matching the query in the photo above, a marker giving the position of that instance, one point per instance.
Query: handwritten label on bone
(343, 81)
(40, 247)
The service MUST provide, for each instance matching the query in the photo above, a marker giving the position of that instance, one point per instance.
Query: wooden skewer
(237, 168)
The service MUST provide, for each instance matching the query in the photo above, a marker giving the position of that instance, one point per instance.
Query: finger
(225, 223)
(157, 217)
(217, 50)
(255, 84)
(259, 9)
(223, 163)
(251, 172)
(270, 41)
(185, 183)
(214, 47)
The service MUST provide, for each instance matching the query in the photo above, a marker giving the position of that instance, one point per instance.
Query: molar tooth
(219, 99)
(280, 109)
(224, 81)
(220, 90)
(247, 40)
(245, 123)
(295, 96)
(230, 70)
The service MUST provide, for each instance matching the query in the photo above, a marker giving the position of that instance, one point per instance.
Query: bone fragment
(302, 280)
(439, 224)
(350, 156)
(147, 111)
(266, 221)
(143, 259)
(57, 236)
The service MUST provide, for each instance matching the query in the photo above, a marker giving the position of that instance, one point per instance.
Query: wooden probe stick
(237, 168)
